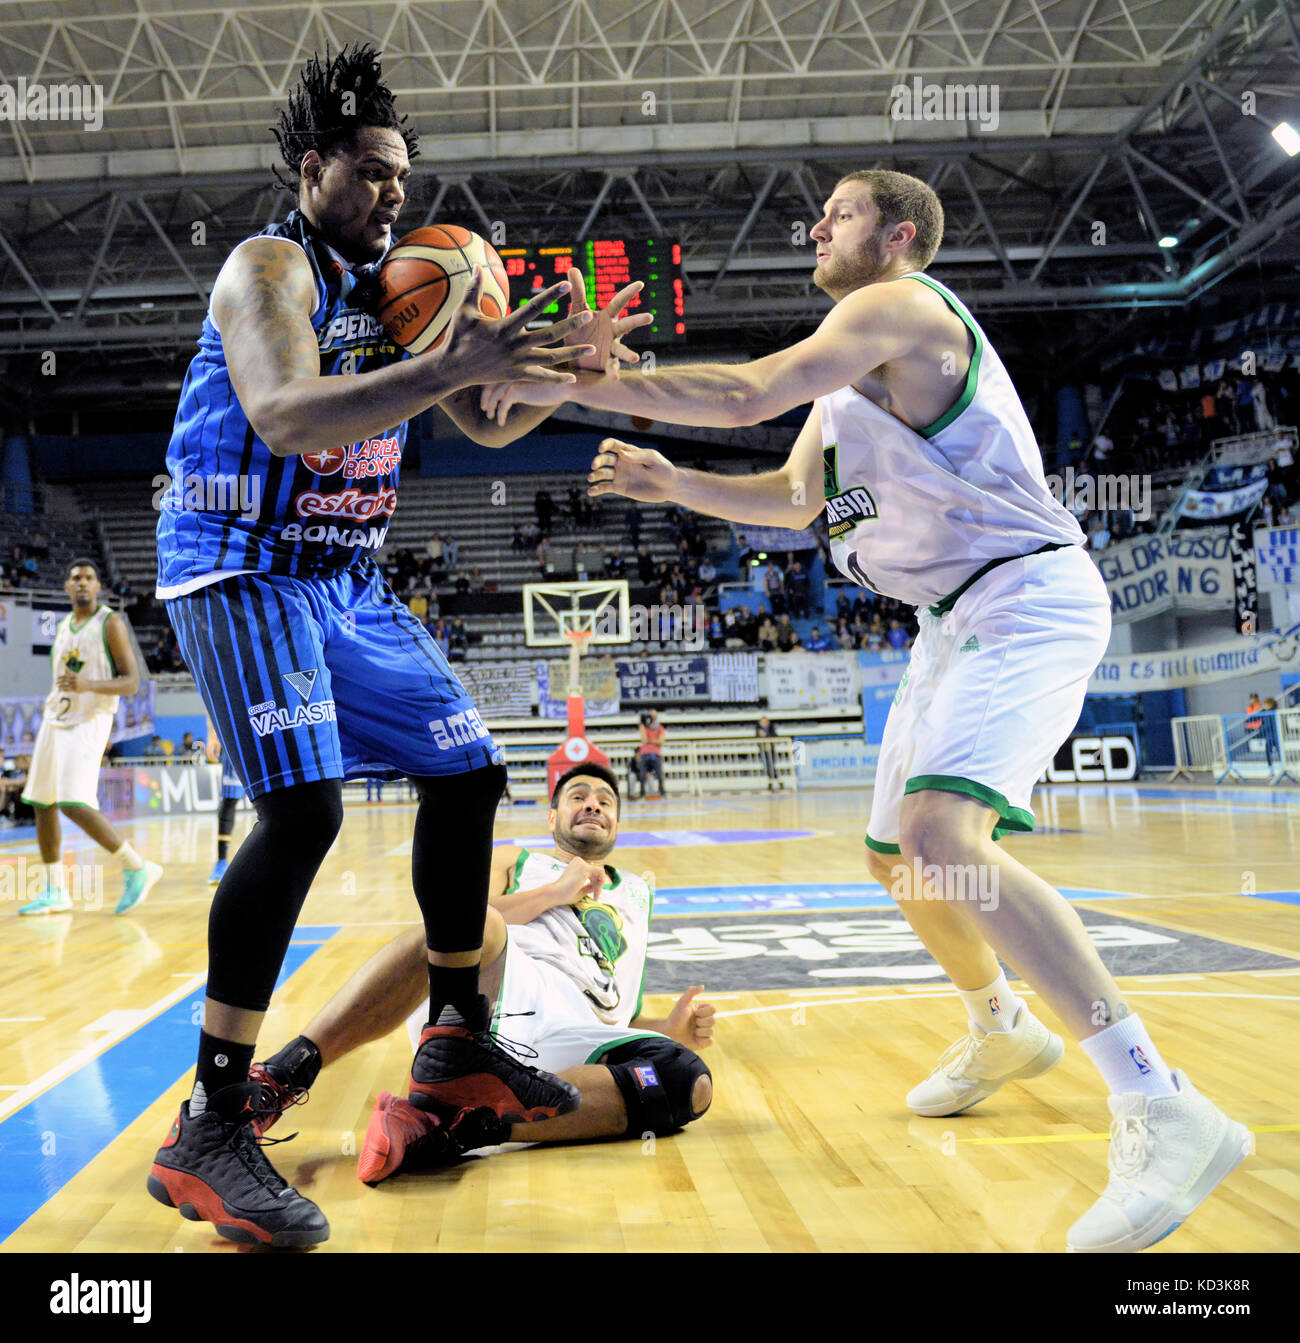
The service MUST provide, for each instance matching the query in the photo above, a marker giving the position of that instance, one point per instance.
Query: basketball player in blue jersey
(309, 666)
(921, 455)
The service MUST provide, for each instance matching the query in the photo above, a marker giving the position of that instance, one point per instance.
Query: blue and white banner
(1225, 491)
(658, 681)
(833, 762)
(1180, 668)
(733, 678)
(1189, 571)
(1277, 553)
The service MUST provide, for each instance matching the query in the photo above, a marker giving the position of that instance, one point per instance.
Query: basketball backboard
(554, 610)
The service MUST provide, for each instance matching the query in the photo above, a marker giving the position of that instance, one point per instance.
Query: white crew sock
(1128, 1061)
(994, 1007)
(130, 859)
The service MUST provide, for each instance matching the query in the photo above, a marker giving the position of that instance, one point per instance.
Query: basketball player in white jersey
(94, 664)
(921, 454)
(564, 959)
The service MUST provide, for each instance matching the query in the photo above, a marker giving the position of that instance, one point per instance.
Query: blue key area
(51, 1138)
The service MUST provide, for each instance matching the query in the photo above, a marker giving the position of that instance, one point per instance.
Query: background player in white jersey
(566, 977)
(94, 664)
(921, 454)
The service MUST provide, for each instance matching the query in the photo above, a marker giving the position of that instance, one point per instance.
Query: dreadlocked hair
(333, 100)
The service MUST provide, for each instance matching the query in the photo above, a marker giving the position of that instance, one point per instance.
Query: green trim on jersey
(645, 964)
(881, 846)
(518, 872)
(108, 652)
(1009, 818)
(601, 1050)
(972, 373)
(945, 604)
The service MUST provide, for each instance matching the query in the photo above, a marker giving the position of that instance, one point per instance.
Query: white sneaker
(1167, 1154)
(973, 1068)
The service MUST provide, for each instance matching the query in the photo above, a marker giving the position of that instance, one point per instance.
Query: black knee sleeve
(257, 903)
(451, 854)
(656, 1077)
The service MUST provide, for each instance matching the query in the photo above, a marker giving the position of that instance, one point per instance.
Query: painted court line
(1099, 1137)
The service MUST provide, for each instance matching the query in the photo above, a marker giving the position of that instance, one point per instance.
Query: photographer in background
(650, 754)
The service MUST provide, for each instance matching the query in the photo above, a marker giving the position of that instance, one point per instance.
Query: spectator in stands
(634, 519)
(897, 638)
(796, 587)
(774, 586)
(787, 637)
(1102, 447)
(442, 637)
(1225, 408)
(517, 538)
(419, 605)
(614, 560)
(747, 554)
(649, 756)
(1244, 396)
(717, 633)
(191, 750)
(1259, 399)
(573, 500)
(458, 641)
(844, 639)
(545, 557)
(544, 507)
(747, 627)
(434, 552)
(1098, 533)
(451, 552)
(818, 642)
(531, 536)
(156, 750)
(477, 583)
(767, 634)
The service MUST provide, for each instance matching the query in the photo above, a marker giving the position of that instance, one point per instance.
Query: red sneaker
(402, 1137)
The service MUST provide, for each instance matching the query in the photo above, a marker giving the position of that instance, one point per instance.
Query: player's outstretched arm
(869, 328)
(262, 305)
(474, 411)
(790, 497)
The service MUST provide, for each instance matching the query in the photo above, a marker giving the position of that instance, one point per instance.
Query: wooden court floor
(829, 1014)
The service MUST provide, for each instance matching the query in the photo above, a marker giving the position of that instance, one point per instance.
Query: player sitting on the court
(566, 979)
(94, 664)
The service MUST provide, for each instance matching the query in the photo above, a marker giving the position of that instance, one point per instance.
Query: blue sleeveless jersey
(233, 506)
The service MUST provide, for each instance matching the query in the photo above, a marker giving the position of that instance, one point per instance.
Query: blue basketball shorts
(232, 790)
(325, 678)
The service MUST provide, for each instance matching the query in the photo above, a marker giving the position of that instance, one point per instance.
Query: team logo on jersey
(348, 327)
(325, 463)
(844, 508)
(604, 929)
(73, 662)
(302, 681)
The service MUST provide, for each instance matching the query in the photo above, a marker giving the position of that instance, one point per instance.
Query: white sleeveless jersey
(914, 513)
(599, 944)
(81, 648)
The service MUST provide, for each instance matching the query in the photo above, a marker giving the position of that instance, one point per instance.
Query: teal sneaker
(138, 885)
(49, 901)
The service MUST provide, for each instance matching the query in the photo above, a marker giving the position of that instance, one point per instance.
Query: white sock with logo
(1128, 1061)
(994, 1007)
(130, 859)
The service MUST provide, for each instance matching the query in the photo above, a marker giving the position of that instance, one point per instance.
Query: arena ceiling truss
(723, 124)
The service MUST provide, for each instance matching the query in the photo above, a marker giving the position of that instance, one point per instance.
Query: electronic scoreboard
(607, 264)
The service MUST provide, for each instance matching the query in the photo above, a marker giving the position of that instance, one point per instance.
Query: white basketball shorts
(65, 763)
(992, 690)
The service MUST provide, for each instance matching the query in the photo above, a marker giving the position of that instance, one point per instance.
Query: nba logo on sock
(993, 1006)
(645, 1076)
(1140, 1059)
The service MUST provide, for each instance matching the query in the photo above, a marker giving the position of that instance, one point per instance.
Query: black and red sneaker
(458, 1068)
(212, 1169)
(276, 1097)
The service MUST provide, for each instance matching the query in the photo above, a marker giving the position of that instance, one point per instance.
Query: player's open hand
(501, 349)
(691, 1023)
(605, 333)
(637, 473)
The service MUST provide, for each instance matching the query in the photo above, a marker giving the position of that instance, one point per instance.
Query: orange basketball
(424, 279)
